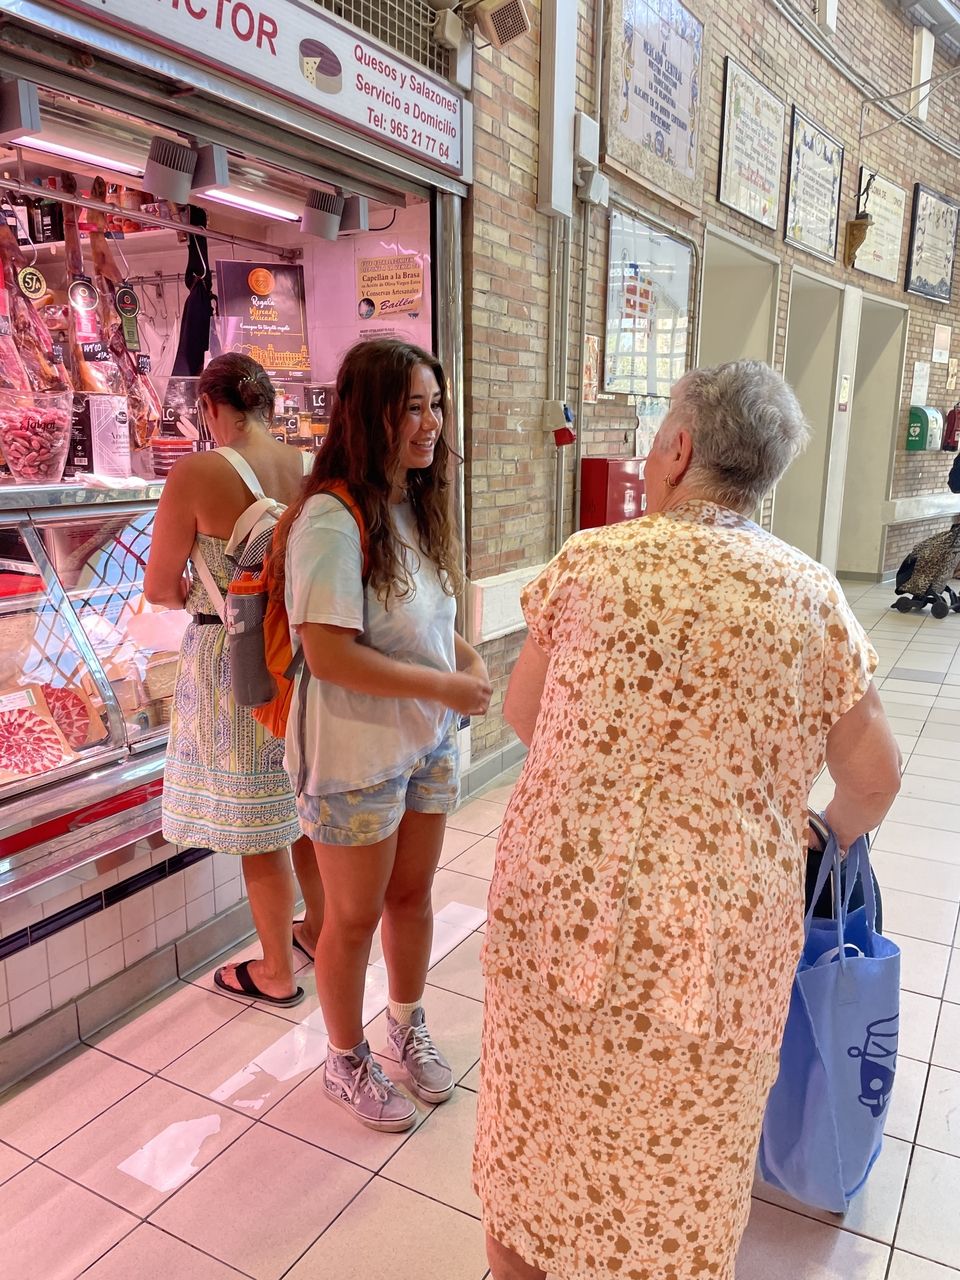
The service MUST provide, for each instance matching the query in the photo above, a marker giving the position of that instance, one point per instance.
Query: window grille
(404, 25)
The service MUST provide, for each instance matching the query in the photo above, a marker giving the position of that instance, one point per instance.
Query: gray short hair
(747, 427)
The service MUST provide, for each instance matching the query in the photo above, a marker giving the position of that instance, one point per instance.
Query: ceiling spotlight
(321, 214)
(212, 171)
(169, 170)
(356, 214)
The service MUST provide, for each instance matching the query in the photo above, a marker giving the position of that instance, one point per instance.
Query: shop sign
(886, 203)
(653, 85)
(751, 147)
(298, 53)
(813, 189)
(263, 314)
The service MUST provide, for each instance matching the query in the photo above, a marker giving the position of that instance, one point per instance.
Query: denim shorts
(370, 814)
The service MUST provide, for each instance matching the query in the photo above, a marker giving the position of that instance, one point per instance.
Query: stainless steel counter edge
(72, 796)
(37, 497)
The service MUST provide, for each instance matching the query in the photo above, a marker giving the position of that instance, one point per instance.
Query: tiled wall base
(32, 1046)
(93, 959)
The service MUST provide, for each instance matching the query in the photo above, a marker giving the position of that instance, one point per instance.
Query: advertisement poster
(813, 189)
(648, 308)
(879, 255)
(933, 242)
(263, 314)
(653, 91)
(751, 149)
(389, 286)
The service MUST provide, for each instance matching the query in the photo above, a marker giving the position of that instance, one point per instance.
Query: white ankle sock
(343, 1053)
(402, 1013)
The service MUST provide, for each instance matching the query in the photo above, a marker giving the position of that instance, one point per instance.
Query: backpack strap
(248, 520)
(337, 489)
(208, 580)
(243, 470)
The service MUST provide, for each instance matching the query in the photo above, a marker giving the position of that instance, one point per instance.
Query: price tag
(94, 352)
(128, 308)
(31, 282)
(143, 363)
(84, 300)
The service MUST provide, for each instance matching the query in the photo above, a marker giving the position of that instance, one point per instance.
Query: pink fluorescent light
(73, 153)
(227, 195)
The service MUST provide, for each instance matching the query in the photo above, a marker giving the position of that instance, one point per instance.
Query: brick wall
(510, 463)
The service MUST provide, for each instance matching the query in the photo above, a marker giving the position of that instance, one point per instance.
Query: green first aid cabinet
(925, 430)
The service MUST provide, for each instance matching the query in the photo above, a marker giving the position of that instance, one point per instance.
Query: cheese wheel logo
(261, 281)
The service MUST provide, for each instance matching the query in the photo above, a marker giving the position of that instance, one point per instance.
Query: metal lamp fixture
(321, 214)
(22, 125)
(169, 170)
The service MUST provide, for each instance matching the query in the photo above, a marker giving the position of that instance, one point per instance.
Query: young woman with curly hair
(376, 758)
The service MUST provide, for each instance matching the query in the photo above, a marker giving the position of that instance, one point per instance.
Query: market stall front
(155, 210)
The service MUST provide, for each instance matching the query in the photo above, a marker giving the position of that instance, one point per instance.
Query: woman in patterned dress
(224, 785)
(685, 677)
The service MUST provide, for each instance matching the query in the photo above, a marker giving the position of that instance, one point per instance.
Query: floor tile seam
(339, 1214)
(138, 1218)
(923, 857)
(338, 1155)
(835, 1226)
(452, 991)
(911, 1253)
(166, 1195)
(436, 1199)
(472, 874)
(237, 1111)
(93, 1119)
(126, 1235)
(29, 1159)
(205, 1253)
(157, 1071)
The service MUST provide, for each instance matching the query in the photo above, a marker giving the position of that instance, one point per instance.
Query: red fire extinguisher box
(611, 489)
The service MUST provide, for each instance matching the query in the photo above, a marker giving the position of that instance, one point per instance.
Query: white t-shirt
(355, 740)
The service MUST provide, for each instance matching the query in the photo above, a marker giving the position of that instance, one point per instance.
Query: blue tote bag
(823, 1126)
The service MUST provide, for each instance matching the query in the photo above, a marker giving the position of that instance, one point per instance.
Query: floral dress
(645, 915)
(224, 786)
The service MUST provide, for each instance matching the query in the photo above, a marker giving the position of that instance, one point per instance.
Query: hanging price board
(128, 308)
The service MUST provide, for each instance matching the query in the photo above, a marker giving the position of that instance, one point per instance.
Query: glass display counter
(87, 669)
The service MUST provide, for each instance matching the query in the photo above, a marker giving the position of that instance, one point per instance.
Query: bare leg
(269, 884)
(311, 886)
(407, 929)
(507, 1265)
(354, 882)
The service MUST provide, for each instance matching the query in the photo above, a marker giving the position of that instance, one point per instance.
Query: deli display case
(87, 670)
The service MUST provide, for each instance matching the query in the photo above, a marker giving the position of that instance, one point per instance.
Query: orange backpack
(271, 662)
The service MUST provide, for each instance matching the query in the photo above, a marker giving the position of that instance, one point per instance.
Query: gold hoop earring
(670, 482)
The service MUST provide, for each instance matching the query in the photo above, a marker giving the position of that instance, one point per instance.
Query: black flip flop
(298, 946)
(249, 988)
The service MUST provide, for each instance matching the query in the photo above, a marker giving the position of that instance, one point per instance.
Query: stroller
(923, 577)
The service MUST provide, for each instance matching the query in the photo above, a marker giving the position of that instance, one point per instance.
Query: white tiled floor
(191, 1141)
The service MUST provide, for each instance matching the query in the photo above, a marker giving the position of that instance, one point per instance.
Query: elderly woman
(684, 679)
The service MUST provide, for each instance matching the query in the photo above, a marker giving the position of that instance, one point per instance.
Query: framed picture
(879, 255)
(653, 81)
(933, 245)
(813, 187)
(751, 146)
(648, 331)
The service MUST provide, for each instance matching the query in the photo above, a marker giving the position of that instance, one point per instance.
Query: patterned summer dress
(224, 786)
(645, 915)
